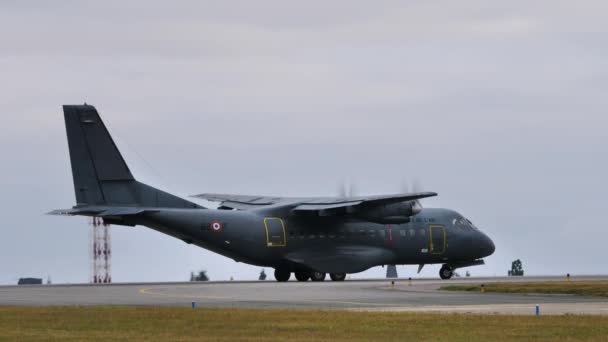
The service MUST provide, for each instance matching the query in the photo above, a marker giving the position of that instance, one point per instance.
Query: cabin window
(382, 233)
(412, 233)
(402, 232)
(422, 232)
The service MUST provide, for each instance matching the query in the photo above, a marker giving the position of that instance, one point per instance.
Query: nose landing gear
(446, 272)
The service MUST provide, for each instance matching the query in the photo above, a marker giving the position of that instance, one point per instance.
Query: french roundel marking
(216, 226)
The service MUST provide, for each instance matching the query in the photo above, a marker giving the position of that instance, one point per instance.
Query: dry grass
(598, 288)
(154, 323)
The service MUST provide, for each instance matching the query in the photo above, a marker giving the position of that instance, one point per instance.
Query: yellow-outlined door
(275, 232)
(437, 239)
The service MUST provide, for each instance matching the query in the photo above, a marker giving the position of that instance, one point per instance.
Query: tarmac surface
(369, 295)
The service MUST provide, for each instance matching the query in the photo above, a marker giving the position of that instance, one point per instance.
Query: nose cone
(486, 246)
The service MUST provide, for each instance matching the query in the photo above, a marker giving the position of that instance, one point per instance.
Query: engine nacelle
(390, 213)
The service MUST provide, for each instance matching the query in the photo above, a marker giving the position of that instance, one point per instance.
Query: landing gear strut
(281, 275)
(337, 276)
(446, 272)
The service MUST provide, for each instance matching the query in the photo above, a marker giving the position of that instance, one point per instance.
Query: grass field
(597, 288)
(154, 323)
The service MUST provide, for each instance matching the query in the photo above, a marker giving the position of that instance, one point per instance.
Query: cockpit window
(462, 223)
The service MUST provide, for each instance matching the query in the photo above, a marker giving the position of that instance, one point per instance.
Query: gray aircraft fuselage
(306, 236)
(433, 236)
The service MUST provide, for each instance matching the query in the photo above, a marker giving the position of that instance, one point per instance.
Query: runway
(374, 295)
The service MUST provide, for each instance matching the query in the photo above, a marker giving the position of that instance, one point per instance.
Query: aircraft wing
(340, 259)
(324, 204)
(245, 199)
(311, 203)
(241, 202)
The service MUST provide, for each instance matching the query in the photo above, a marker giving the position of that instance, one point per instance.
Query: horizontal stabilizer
(102, 211)
(65, 212)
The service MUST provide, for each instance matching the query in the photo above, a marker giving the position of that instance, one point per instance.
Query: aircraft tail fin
(101, 175)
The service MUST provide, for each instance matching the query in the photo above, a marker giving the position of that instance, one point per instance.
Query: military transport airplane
(309, 237)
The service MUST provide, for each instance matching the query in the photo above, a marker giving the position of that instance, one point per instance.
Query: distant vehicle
(308, 236)
(200, 276)
(29, 281)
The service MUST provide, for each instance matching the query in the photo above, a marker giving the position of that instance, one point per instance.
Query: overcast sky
(501, 108)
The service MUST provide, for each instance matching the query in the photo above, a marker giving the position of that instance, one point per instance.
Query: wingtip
(431, 194)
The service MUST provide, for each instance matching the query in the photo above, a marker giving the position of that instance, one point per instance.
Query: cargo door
(437, 239)
(275, 232)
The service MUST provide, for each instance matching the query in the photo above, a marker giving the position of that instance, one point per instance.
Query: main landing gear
(302, 276)
(317, 276)
(337, 276)
(446, 272)
(283, 275)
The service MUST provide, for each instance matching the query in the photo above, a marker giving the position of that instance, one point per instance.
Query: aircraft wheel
(446, 272)
(302, 276)
(281, 275)
(317, 276)
(337, 276)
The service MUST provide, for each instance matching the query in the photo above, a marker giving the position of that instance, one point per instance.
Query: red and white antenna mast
(100, 252)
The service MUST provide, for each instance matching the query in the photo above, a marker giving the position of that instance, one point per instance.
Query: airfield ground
(423, 295)
(170, 323)
(349, 310)
(596, 288)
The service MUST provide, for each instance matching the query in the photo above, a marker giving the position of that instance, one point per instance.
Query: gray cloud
(498, 107)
